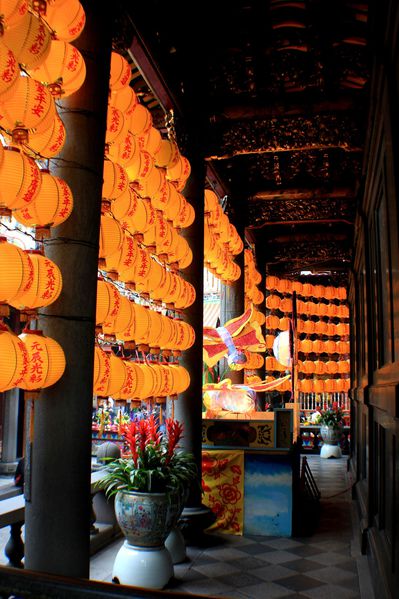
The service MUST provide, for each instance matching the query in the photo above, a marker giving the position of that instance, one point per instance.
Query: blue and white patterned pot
(331, 435)
(145, 519)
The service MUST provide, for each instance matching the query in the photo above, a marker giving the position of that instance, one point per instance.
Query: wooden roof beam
(302, 194)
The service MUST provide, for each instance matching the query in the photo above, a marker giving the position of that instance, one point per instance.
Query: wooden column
(188, 408)
(58, 503)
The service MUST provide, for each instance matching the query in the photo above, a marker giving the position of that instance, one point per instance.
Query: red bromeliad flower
(153, 433)
(130, 433)
(142, 435)
(174, 430)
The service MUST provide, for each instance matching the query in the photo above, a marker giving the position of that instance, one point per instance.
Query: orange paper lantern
(16, 271)
(29, 40)
(9, 71)
(20, 179)
(66, 19)
(12, 11)
(30, 107)
(120, 73)
(46, 361)
(48, 143)
(13, 359)
(115, 180)
(63, 71)
(52, 205)
(46, 284)
(125, 99)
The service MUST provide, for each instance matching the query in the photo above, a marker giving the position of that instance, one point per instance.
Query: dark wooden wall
(374, 299)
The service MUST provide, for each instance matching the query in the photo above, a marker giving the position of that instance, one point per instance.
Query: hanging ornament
(30, 41)
(63, 71)
(30, 108)
(20, 179)
(46, 361)
(46, 285)
(51, 207)
(66, 19)
(13, 359)
(120, 72)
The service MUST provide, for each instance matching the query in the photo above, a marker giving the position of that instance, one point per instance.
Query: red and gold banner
(223, 486)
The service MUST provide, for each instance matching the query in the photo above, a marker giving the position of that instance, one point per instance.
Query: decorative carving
(307, 253)
(321, 131)
(260, 212)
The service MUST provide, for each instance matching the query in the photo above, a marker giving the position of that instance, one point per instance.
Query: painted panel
(268, 495)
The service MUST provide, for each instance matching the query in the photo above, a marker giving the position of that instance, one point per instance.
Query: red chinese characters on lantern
(143, 270)
(40, 99)
(35, 181)
(103, 383)
(130, 254)
(67, 198)
(25, 363)
(11, 67)
(36, 363)
(123, 180)
(39, 40)
(73, 61)
(50, 287)
(75, 31)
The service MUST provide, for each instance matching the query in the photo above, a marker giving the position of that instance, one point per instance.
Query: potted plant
(149, 483)
(331, 422)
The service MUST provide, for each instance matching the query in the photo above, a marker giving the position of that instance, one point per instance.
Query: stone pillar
(10, 431)
(58, 507)
(188, 408)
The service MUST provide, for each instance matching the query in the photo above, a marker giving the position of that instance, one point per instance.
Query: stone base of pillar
(194, 521)
(8, 467)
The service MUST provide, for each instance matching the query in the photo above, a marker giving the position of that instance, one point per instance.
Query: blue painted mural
(268, 496)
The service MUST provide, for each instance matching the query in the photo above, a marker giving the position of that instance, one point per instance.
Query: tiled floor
(326, 565)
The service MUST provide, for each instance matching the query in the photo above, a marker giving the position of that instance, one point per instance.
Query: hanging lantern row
(118, 190)
(128, 321)
(55, 68)
(219, 222)
(254, 360)
(319, 367)
(252, 278)
(34, 197)
(133, 265)
(305, 289)
(273, 365)
(138, 217)
(218, 258)
(339, 385)
(29, 361)
(126, 379)
(28, 280)
(309, 327)
(320, 327)
(64, 18)
(285, 386)
(318, 346)
(274, 302)
(257, 316)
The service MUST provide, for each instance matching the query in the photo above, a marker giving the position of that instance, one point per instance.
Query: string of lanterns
(322, 333)
(140, 290)
(143, 211)
(37, 65)
(221, 241)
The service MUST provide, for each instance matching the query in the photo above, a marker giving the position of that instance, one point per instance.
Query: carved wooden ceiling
(282, 86)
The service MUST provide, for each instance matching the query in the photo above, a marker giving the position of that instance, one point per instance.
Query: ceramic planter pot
(145, 519)
(331, 435)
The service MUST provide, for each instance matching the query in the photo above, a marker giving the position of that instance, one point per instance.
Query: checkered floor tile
(321, 566)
